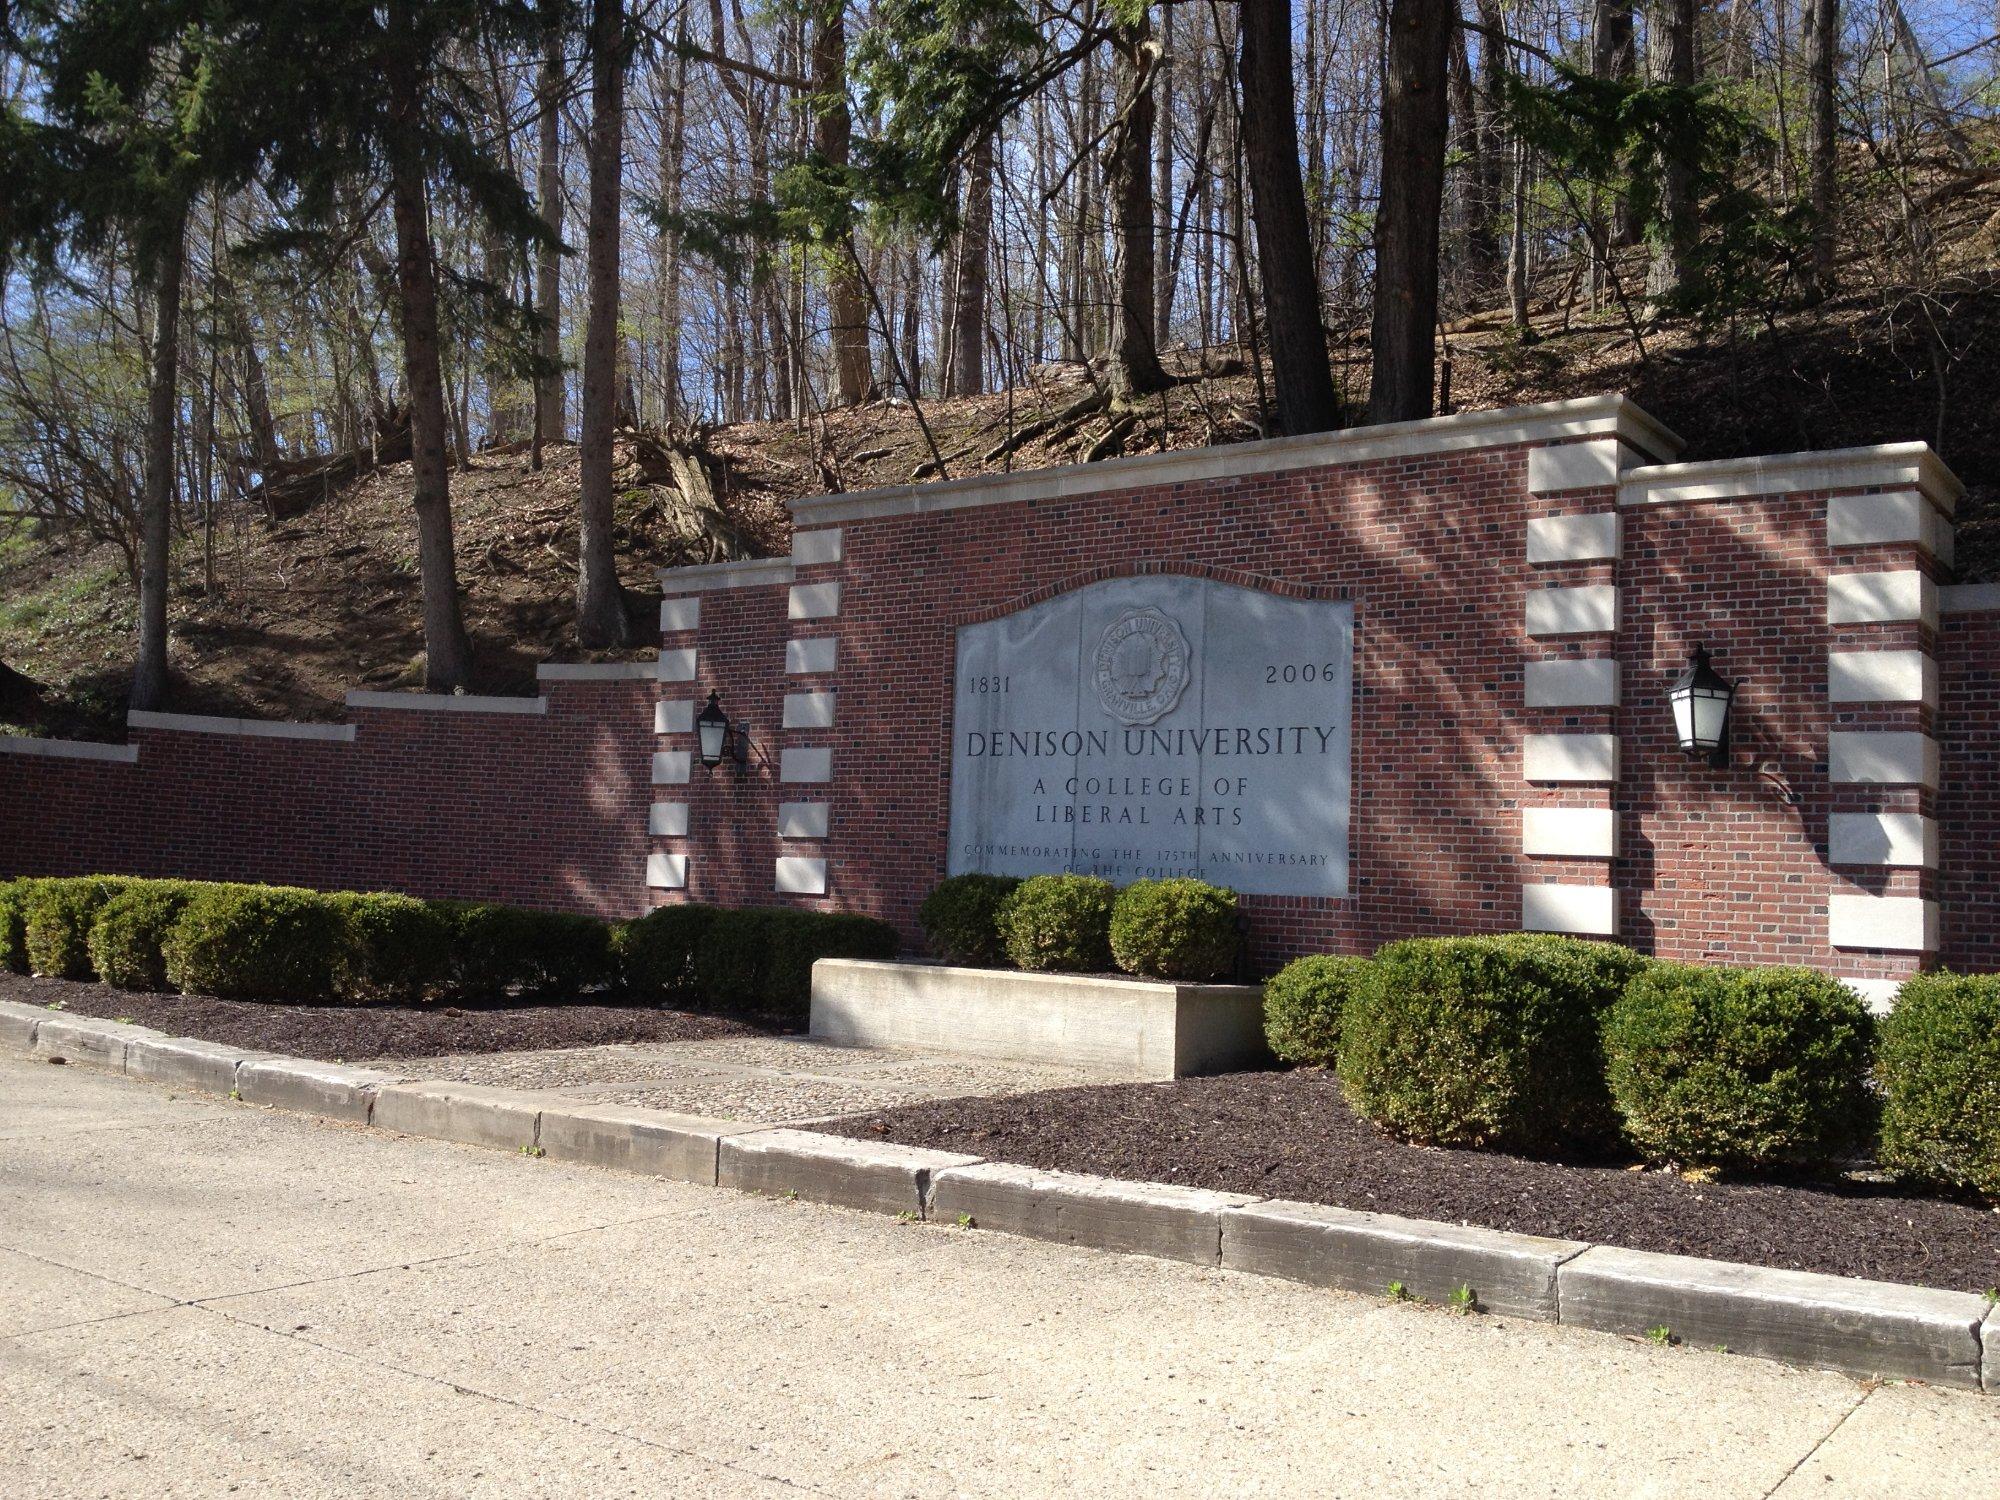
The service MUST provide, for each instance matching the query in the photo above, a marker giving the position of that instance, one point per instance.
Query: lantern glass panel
(712, 731)
(1684, 718)
(1710, 709)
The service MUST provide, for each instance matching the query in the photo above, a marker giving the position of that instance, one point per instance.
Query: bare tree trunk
(1135, 358)
(833, 133)
(673, 155)
(966, 374)
(447, 649)
(1517, 243)
(913, 309)
(1415, 123)
(1612, 58)
(600, 601)
(156, 508)
(256, 389)
(1670, 59)
(1299, 366)
(1822, 54)
(1490, 141)
(1163, 184)
(1476, 197)
(551, 398)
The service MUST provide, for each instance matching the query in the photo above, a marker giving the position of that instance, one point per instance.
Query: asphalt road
(205, 1298)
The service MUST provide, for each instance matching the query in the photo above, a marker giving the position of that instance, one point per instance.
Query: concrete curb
(469, 1113)
(1138, 1218)
(1990, 1339)
(1514, 1274)
(832, 1169)
(626, 1138)
(1864, 1328)
(86, 1039)
(332, 1090)
(18, 1023)
(184, 1062)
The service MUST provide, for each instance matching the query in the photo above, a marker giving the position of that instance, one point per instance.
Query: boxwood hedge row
(285, 944)
(1177, 929)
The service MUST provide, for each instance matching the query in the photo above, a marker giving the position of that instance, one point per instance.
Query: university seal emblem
(1141, 667)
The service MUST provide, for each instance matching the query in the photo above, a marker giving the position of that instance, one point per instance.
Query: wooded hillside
(401, 344)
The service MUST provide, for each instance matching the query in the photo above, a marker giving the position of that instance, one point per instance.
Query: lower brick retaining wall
(491, 799)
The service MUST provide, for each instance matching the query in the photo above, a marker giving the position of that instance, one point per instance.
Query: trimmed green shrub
(1304, 1005)
(1938, 1062)
(732, 962)
(1059, 922)
(1739, 1069)
(655, 954)
(761, 960)
(257, 942)
(497, 949)
(960, 918)
(130, 931)
(398, 948)
(14, 925)
(486, 950)
(58, 923)
(1175, 929)
(568, 955)
(799, 938)
(1485, 1041)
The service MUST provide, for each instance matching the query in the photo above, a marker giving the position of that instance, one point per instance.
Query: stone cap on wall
(461, 703)
(11, 744)
(1969, 598)
(597, 671)
(268, 729)
(1907, 466)
(1548, 422)
(743, 573)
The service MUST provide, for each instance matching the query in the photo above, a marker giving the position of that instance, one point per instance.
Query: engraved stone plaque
(1155, 726)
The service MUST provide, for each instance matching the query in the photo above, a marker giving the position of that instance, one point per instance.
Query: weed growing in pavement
(907, 1216)
(1991, 1294)
(58, 1005)
(1661, 1335)
(533, 1151)
(1462, 1301)
(123, 1020)
(965, 1221)
(1397, 1292)
(236, 1093)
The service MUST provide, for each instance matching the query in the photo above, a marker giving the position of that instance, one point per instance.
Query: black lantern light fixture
(718, 740)
(1701, 697)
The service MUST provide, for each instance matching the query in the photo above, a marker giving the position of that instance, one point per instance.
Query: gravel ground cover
(1292, 1135)
(762, 1078)
(690, 1063)
(348, 1033)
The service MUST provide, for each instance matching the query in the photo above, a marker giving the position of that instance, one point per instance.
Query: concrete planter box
(1137, 1028)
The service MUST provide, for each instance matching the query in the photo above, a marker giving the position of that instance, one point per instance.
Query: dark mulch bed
(336, 1032)
(1291, 1135)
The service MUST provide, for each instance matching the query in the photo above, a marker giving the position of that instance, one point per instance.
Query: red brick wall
(1430, 550)
(539, 810)
(1729, 866)
(1969, 799)
(732, 819)
(1723, 865)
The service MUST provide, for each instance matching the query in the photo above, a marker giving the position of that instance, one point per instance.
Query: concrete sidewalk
(199, 1297)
